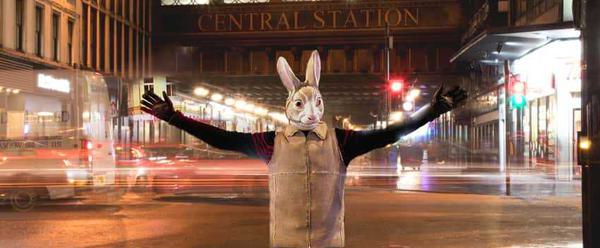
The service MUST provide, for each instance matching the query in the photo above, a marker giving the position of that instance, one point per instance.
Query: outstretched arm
(356, 143)
(254, 145)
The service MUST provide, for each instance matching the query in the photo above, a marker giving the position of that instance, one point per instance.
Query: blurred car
(225, 177)
(51, 168)
(176, 169)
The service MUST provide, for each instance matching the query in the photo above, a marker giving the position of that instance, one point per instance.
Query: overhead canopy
(510, 43)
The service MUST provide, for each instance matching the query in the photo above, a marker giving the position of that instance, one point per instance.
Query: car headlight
(141, 171)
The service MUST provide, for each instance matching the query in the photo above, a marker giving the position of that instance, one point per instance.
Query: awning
(510, 43)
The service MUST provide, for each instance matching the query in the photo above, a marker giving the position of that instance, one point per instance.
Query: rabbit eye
(319, 102)
(299, 104)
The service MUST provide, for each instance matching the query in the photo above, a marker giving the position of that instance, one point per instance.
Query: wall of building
(110, 39)
(108, 36)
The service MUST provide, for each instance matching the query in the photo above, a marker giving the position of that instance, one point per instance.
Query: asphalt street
(374, 218)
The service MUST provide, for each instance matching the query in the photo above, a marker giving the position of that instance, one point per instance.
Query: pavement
(374, 218)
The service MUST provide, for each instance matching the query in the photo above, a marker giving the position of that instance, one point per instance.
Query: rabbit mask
(304, 105)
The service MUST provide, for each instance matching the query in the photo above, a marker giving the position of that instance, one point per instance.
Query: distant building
(53, 41)
(527, 119)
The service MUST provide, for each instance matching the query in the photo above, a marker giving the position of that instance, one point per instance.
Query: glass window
(148, 87)
(337, 61)
(101, 41)
(93, 29)
(111, 45)
(126, 9)
(234, 63)
(19, 25)
(119, 54)
(259, 60)
(39, 20)
(364, 60)
(70, 25)
(84, 35)
(126, 51)
(55, 36)
(170, 89)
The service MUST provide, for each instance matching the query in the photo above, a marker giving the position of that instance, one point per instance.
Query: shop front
(535, 86)
(552, 116)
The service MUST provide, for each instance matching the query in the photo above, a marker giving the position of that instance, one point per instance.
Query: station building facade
(233, 46)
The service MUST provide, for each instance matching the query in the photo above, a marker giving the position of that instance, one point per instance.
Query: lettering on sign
(308, 20)
(29, 144)
(51, 83)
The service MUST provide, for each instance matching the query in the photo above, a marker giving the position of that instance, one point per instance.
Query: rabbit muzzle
(305, 108)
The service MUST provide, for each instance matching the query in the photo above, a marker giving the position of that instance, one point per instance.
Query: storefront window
(549, 120)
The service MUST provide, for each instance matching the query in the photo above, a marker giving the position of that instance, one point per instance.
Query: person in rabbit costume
(306, 159)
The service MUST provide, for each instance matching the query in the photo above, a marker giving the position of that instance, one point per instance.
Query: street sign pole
(388, 40)
(508, 125)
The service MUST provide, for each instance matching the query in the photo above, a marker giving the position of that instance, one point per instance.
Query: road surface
(374, 218)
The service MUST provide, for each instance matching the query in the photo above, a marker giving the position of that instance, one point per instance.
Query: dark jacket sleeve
(257, 145)
(355, 143)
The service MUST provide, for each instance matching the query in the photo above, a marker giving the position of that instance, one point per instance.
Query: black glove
(444, 102)
(154, 105)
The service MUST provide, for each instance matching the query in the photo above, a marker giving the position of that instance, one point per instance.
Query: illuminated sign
(51, 83)
(360, 16)
(300, 20)
(30, 144)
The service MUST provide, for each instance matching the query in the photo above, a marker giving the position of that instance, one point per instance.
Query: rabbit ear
(313, 69)
(288, 78)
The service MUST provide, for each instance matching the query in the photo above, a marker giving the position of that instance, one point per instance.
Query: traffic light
(396, 85)
(518, 97)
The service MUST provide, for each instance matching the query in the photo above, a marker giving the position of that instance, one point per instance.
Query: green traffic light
(518, 101)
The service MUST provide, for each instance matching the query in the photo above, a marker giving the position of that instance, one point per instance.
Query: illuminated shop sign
(52, 83)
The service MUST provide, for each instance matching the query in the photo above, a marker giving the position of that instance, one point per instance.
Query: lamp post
(389, 43)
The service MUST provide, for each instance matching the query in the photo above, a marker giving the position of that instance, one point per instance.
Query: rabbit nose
(312, 117)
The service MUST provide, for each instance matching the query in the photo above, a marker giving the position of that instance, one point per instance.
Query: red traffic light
(396, 85)
(518, 87)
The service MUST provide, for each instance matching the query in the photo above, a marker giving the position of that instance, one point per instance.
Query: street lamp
(413, 94)
(261, 111)
(201, 91)
(249, 107)
(408, 106)
(216, 97)
(230, 101)
(240, 104)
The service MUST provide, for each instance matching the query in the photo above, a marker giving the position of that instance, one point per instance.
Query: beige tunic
(306, 184)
